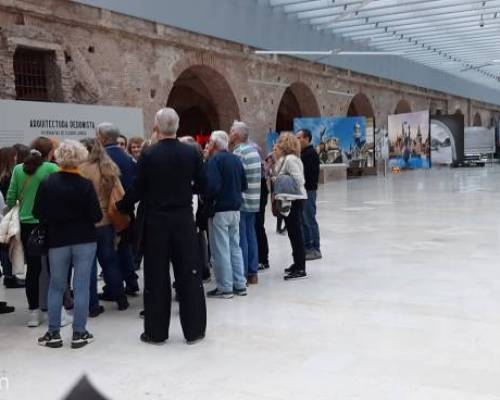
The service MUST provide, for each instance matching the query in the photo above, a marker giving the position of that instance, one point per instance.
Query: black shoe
(123, 303)
(105, 297)
(195, 340)
(96, 312)
(51, 339)
(141, 314)
(5, 309)
(240, 292)
(263, 266)
(146, 339)
(132, 292)
(81, 339)
(297, 274)
(218, 294)
(291, 268)
(12, 282)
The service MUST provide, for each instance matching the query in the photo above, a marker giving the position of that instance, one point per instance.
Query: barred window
(30, 69)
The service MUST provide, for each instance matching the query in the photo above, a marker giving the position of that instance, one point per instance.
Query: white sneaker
(34, 318)
(65, 318)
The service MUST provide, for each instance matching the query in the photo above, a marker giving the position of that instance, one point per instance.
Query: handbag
(275, 203)
(36, 246)
(119, 221)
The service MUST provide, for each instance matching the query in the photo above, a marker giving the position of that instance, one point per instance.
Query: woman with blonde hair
(105, 175)
(67, 204)
(290, 192)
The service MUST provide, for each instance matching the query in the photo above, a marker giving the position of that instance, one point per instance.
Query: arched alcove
(297, 101)
(403, 107)
(360, 106)
(204, 101)
(477, 120)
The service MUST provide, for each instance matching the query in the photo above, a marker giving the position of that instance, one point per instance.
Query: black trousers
(171, 237)
(260, 230)
(34, 268)
(293, 223)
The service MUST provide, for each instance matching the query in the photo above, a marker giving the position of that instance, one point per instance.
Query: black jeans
(170, 236)
(34, 268)
(293, 223)
(260, 230)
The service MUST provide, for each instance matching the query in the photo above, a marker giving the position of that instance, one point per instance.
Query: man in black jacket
(310, 159)
(168, 174)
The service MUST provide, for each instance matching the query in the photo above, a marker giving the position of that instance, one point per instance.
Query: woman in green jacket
(26, 179)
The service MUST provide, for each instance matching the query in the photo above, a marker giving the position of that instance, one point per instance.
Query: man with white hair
(249, 156)
(169, 172)
(225, 184)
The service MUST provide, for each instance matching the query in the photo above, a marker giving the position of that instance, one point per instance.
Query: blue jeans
(126, 259)
(81, 256)
(110, 263)
(225, 249)
(248, 243)
(93, 299)
(311, 228)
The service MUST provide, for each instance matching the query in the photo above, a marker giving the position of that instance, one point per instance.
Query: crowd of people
(120, 203)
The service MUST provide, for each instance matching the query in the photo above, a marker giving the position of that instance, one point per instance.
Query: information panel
(23, 121)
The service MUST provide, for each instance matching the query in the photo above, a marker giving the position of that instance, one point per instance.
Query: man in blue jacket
(107, 135)
(226, 181)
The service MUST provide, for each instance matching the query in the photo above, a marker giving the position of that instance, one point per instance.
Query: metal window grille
(31, 75)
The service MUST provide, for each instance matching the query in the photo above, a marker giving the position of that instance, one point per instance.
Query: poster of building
(447, 139)
(409, 140)
(341, 139)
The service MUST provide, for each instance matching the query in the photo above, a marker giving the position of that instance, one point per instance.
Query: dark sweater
(67, 205)
(168, 174)
(127, 166)
(226, 180)
(310, 159)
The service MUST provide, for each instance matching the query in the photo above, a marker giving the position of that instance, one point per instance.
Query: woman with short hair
(67, 204)
(289, 168)
(26, 179)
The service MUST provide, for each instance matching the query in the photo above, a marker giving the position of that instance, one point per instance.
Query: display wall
(409, 140)
(447, 139)
(347, 140)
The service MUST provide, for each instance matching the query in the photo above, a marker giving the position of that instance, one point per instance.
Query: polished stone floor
(404, 305)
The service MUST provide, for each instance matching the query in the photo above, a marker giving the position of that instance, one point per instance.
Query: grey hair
(167, 121)
(109, 131)
(242, 130)
(189, 140)
(220, 139)
(70, 154)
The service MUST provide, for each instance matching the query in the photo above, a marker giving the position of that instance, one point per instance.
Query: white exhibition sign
(23, 121)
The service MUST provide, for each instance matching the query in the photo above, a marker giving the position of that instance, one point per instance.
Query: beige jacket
(91, 172)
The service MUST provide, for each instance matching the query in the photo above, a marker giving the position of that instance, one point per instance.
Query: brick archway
(360, 106)
(402, 107)
(477, 120)
(297, 101)
(204, 100)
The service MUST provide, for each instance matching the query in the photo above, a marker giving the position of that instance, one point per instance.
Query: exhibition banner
(447, 139)
(341, 139)
(271, 139)
(409, 140)
(23, 121)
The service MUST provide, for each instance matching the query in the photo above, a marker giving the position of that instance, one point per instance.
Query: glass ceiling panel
(461, 37)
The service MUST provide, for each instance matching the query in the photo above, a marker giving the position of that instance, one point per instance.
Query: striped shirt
(250, 158)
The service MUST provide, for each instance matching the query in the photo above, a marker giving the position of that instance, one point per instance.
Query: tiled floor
(404, 305)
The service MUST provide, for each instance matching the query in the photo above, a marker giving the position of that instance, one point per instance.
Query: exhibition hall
(249, 199)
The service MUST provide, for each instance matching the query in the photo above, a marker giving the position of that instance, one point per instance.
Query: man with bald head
(169, 173)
